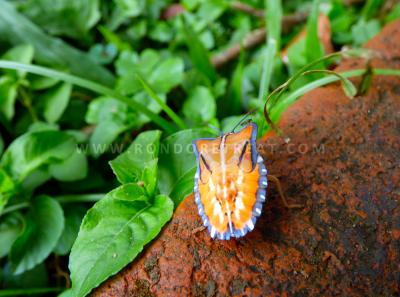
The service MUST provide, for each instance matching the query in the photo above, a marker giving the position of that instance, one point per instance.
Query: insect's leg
(198, 229)
(283, 198)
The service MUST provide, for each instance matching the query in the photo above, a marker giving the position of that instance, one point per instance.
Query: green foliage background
(120, 75)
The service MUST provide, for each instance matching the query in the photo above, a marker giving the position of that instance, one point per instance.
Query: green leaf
(161, 32)
(348, 87)
(7, 188)
(44, 226)
(15, 28)
(73, 168)
(235, 94)
(21, 53)
(371, 8)
(10, 227)
(394, 14)
(200, 107)
(41, 82)
(364, 31)
(314, 49)
(100, 89)
(176, 159)
(34, 278)
(8, 95)
(56, 101)
(31, 150)
(130, 165)
(73, 220)
(161, 74)
(113, 233)
(112, 118)
(198, 54)
(72, 18)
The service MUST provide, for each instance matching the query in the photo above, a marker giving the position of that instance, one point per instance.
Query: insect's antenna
(215, 129)
(243, 118)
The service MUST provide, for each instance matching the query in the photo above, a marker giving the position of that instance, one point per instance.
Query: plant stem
(178, 121)
(61, 199)
(280, 107)
(15, 207)
(90, 85)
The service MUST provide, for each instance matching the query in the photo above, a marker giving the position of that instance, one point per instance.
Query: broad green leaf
(63, 17)
(8, 95)
(31, 150)
(21, 53)
(7, 188)
(75, 167)
(15, 28)
(73, 219)
(44, 226)
(35, 179)
(113, 233)
(200, 107)
(183, 186)
(129, 167)
(161, 74)
(56, 101)
(176, 159)
(11, 226)
(168, 74)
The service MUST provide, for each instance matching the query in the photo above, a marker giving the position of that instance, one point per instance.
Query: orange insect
(230, 182)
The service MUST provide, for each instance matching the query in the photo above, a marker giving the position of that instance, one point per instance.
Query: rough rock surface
(342, 162)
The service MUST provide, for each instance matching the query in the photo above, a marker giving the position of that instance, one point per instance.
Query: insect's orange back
(230, 182)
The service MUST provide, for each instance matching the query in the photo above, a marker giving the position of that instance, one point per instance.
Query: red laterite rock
(342, 162)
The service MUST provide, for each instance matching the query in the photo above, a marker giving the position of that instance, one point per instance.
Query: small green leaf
(130, 165)
(348, 87)
(31, 150)
(200, 107)
(21, 53)
(41, 82)
(364, 31)
(44, 226)
(75, 167)
(113, 233)
(168, 74)
(56, 101)
(11, 226)
(73, 220)
(7, 188)
(8, 95)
